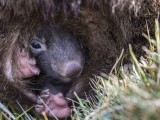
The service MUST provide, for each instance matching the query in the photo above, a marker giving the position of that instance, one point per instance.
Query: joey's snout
(58, 54)
(71, 70)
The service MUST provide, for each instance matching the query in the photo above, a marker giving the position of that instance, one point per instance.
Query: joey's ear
(37, 46)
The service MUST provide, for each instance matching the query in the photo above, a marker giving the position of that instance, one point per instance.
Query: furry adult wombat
(103, 27)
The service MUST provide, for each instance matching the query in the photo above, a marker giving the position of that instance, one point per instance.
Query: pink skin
(56, 103)
(26, 69)
(27, 66)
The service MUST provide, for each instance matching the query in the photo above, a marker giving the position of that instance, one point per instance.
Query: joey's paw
(55, 105)
(42, 100)
(27, 66)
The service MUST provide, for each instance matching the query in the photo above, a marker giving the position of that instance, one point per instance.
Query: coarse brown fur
(104, 27)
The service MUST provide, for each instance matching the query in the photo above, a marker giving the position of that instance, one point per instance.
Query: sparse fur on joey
(58, 54)
(103, 27)
(60, 59)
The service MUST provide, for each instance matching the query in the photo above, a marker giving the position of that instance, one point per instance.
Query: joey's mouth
(56, 88)
(65, 79)
(55, 83)
(70, 79)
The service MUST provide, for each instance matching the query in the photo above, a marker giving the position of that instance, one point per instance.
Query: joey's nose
(72, 70)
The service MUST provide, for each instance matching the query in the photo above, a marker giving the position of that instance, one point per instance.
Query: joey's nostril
(72, 70)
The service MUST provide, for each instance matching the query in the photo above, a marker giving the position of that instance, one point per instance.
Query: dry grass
(130, 92)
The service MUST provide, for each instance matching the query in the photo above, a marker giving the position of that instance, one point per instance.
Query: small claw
(60, 95)
(38, 106)
(22, 52)
(44, 96)
(35, 70)
(39, 101)
(32, 61)
(46, 92)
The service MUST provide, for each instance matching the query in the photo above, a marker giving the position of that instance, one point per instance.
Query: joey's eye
(36, 45)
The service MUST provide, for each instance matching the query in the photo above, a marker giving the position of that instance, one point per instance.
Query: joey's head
(58, 53)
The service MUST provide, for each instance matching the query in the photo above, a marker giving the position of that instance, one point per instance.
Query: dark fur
(104, 27)
(61, 49)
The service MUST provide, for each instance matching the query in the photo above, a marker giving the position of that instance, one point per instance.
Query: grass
(129, 92)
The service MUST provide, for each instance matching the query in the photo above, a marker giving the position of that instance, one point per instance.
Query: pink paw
(27, 66)
(56, 105)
